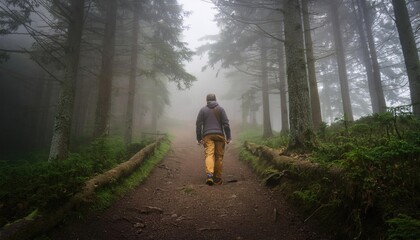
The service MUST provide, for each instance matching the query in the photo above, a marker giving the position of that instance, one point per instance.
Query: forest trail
(175, 203)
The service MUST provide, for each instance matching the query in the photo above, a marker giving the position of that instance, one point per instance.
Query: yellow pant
(214, 148)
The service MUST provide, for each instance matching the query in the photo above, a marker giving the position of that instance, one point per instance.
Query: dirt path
(174, 203)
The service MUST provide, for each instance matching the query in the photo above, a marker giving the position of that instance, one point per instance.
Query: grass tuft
(108, 195)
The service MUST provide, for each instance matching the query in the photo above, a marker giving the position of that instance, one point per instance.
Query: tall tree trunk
(411, 57)
(41, 116)
(326, 95)
(81, 106)
(62, 124)
(133, 74)
(254, 107)
(47, 117)
(379, 93)
(105, 77)
(86, 107)
(341, 62)
(366, 60)
(245, 109)
(154, 107)
(302, 137)
(254, 118)
(268, 132)
(283, 86)
(313, 85)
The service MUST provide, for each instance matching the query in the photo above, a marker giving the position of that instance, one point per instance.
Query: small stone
(139, 225)
(150, 209)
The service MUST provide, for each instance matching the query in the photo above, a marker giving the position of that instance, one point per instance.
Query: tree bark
(326, 95)
(105, 77)
(133, 74)
(379, 93)
(42, 118)
(302, 137)
(283, 85)
(62, 125)
(341, 62)
(84, 106)
(154, 111)
(244, 109)
(410, 52)
(366, 61)
(282, 162)
(268, 132)
(313, 85)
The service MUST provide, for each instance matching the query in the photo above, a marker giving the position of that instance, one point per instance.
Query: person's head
(211, 97)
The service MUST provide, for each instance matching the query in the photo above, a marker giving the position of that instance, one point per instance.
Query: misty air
(210, 119)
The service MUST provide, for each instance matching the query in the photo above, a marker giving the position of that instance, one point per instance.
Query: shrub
(380, 155)
(34, 183)
(404, 227)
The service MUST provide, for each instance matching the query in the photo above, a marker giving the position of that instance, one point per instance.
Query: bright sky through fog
(200, 22)
(185, 104)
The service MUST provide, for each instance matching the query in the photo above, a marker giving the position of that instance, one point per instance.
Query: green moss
(34, 183)
(259, 166)
(107, 195)
(380, 158)
(404, 227)
(254, 135)
(32, 215)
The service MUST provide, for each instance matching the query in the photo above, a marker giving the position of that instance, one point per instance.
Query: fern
(404, 227)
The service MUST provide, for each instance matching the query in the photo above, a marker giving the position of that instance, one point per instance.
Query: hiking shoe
(210, 180)
(218, 181)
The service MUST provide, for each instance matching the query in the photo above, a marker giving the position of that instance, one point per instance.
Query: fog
(29, 82)
(186, 103)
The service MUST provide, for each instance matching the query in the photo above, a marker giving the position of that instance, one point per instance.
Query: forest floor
(175, 203)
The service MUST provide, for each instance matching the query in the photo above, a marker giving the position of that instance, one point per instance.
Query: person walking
(213, 132)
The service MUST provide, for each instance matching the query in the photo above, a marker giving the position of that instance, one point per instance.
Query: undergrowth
(107, 195)
(379, 193)
(254, 135)
(32, 183)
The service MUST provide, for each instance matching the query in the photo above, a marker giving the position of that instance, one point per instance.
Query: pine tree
(410, 52)
(63, 119)
(302, 137)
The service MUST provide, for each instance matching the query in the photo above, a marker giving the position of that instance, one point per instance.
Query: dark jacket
(207, 121)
